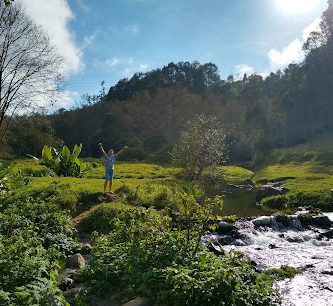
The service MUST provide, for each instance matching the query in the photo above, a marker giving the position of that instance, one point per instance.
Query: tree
(30, 69)
(202, 144)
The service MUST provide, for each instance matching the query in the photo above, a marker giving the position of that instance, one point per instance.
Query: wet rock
(328, 235)
(66, 284)
(86, 249)
(76, 262)
(322, 221)
(268, 191)
(226, 240)
(137, 302)
(225, 227)
(215, 248)
(283, 219)
(263, 221)
(239, 242)
(233, 187)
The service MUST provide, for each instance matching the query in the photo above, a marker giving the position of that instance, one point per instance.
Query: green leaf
(77, 150)
(66, 154)
(46, 153)
(83, 166)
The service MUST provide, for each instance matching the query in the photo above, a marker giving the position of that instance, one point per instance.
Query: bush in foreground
(143, 256)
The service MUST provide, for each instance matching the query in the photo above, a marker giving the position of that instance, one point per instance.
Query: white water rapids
(273, 247)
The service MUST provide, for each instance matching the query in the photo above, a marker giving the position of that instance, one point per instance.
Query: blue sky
(112, 39)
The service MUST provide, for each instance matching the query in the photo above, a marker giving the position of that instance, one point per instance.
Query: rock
(327, 272)
(72, 292)
(109, 197)
(239, 242)
(268, 191)
(263, 221)
(272, 246)
(76, 261)
(225, 227)
(86, 249)
(328, 235)
(137, 302)
(322, 221)
(232, 187)
(215, 248)
(66, 284)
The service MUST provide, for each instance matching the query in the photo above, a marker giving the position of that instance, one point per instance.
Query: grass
(309, 183)
(227, 174)
(319, 150)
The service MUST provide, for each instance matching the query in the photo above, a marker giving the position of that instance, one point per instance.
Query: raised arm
(102, 150)
(121, 151)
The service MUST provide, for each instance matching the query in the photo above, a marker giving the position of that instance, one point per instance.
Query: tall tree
(30, 69)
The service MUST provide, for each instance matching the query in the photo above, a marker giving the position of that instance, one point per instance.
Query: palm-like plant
(62, 163)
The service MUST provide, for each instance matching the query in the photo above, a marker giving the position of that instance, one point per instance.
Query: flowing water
(276, 245)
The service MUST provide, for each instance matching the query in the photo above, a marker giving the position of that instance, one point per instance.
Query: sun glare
(296, 6)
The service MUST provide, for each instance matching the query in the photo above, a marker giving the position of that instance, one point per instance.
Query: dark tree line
(148, 111)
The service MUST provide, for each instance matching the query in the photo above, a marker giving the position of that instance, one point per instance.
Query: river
(276, 245)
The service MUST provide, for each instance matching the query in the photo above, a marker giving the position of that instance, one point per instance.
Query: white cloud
(143, 67)
(312, 27)
(67, 99)
(54, 16)
(127, 72)
(242, 69)
(112, 62)
(293, 53)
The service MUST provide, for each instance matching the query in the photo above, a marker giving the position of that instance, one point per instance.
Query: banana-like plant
(62, 163)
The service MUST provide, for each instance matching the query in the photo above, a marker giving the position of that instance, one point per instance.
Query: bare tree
(30, 68)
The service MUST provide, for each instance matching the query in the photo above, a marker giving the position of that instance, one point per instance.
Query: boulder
(66, 284)
(263, 221)
(328, 235)
(137, 302)
(322, 221)
(215, 248)
(268, 191)
(225, 227)
(76, 261)
(86, 249)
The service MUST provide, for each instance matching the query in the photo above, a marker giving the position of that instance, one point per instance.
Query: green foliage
(323, 200)
(158, 196)
(100, 218)
(64, 163)
(309, 183)
(4, 170)
(34, 236)
(143, 256)
(278, 274)
(202, 144)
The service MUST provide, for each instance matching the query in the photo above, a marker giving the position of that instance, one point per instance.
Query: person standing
(110, 159)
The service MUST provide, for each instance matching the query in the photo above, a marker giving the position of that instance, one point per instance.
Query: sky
(107, 40)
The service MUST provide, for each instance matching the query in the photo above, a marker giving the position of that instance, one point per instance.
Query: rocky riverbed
(303, 240)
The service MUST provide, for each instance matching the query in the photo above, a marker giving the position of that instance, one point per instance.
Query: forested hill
(148, 111)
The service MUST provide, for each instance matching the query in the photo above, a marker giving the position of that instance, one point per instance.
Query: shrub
(64, 163)
(34, 236)
(143, 256)
(100, 218)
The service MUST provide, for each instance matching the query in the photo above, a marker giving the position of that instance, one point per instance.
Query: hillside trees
(29, 67)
